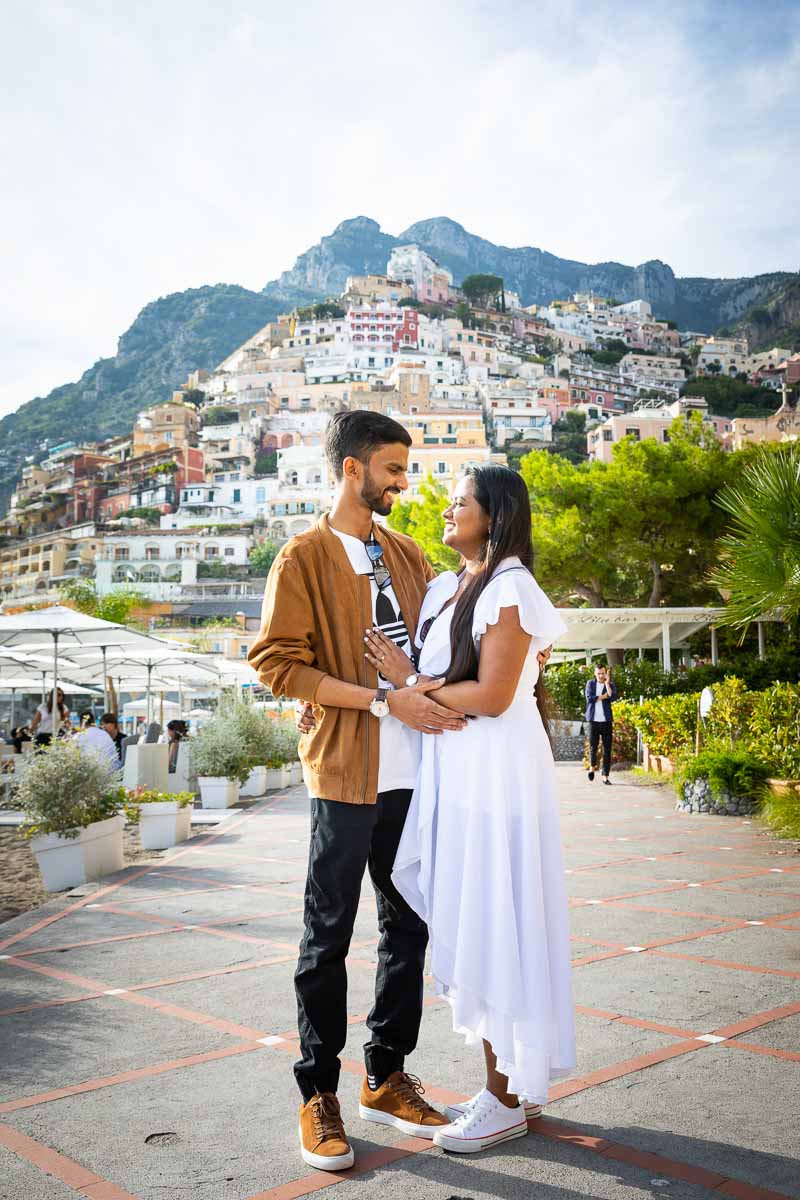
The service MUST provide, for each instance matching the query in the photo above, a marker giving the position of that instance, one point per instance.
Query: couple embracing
(428, 763)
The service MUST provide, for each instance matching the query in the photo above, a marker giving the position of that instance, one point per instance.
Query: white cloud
(166, 146)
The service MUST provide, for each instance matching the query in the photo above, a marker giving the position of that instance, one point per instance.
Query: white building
(414, 266)
(729, 355)
(160, 562)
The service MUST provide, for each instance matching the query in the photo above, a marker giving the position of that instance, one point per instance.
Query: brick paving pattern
(147, 1027)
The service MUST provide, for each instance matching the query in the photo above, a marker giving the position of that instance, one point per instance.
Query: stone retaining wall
(696, 798)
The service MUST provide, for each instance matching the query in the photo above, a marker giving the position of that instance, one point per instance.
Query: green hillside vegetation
(733, 397)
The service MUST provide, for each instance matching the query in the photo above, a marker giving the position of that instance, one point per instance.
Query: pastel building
(649, 421)
(429, 279)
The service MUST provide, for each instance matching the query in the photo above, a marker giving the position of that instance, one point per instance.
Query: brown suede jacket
(313, 619)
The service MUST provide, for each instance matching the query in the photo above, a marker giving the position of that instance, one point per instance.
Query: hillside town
(179, 506)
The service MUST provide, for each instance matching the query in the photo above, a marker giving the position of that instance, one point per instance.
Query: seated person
(89, 737)
(110, 724)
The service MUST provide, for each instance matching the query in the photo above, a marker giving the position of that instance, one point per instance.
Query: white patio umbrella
(159, 668)
(29, 681)
(61, 626)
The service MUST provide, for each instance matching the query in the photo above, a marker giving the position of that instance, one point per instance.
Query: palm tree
(759, 556)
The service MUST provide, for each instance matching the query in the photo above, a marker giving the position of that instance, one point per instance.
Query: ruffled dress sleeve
(518, 589)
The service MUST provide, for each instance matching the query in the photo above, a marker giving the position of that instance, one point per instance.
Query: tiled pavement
(146, 1027)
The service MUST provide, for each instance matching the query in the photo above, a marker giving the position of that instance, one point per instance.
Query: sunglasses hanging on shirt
(379, 569)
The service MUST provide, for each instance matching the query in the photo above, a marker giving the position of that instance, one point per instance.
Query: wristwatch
(379, 706)
(412, 681)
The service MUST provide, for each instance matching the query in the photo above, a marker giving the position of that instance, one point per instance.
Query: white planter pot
(286, 775)
(296, 773)
(164, 824)
(256, 783)
(217, 791)
(274, 778)
(69, 862)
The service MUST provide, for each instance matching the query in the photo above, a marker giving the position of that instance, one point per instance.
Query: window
(243, 651)
(152, 553)
(229, 551)
(371, 361)
(261, 495)
(237, 495)
(608, 435)
(441, 468)
(211, 552)
(634, 433)
(121, 553)
(665, 435)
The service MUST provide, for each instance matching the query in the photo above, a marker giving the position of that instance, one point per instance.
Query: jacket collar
(398, 567)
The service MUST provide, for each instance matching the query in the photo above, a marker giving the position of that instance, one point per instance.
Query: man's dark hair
(109, 719)
(87, 713)
(358, 435)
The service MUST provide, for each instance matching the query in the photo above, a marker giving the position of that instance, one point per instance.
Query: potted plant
(164, 818)
(258, 731)
(221, 761)
(288, 740)
(71, 799)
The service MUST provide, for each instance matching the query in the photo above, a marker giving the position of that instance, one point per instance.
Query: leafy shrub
(737, 772)
(774, 729)
(667, 724)
(782, 813)
(219, 749)
(63, 788)
(729, 718)
(623, 746)
(257, 730)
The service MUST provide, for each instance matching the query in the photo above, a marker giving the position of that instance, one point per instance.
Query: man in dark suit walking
(600, 695)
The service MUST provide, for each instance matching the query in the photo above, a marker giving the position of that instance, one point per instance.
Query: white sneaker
(454, 1111)
(486, 1123)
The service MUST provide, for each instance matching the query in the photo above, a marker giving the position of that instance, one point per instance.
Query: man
(600, 695)
(110, 724)
(325, 589)
(95, 740)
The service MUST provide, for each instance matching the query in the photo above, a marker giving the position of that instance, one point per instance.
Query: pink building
(648, 423)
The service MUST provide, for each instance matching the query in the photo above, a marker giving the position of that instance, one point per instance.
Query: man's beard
(378, 501)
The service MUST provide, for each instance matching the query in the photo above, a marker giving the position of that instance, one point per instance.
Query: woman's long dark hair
(62, 708)
(503, 496)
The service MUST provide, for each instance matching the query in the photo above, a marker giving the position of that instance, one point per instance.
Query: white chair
(147, 765)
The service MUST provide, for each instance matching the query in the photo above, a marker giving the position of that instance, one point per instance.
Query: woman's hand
(543, 656)
(387, 658)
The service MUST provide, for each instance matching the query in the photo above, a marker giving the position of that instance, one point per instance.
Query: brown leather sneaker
(323, 1141)
(399, 1102)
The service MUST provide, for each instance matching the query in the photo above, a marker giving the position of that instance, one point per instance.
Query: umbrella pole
(44, 687)
(55, 673)
(13, 698)
(161, 710)
(149, 698)
(105, 681)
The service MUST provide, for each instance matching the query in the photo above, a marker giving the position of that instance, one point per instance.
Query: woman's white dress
(480, 855)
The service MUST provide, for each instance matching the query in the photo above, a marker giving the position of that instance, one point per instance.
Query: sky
(154, 147)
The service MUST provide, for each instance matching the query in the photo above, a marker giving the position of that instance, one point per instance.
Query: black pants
(600, 731)
(345, 840)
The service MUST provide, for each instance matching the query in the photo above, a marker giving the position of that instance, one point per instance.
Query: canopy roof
(633, 628)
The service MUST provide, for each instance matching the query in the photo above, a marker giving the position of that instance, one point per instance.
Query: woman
(480, 857)
(45, 724)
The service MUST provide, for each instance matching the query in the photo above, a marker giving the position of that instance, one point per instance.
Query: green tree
(422, 520)
(266, 462)
(117, 606)
(262, 556)
(569, 436)
(194, 397)
(637, 530)
(759, 554)
(728, 397)
(485, 290)
(220, 416)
